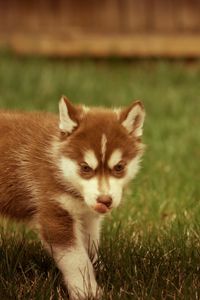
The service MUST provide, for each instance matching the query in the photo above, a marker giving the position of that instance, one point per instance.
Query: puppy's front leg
(77, 270)
(62, 236)
(92, 227)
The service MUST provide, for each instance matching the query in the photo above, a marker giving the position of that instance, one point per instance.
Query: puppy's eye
(85, 168)
(119, 167)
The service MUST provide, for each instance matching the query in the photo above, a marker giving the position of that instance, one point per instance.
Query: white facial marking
(90, 190)
(104, 186)
(128, 123)
(90, 159)
(66, 123)
(116, 185)
(115, 190)
(103, 146)
(69, 172)
(68, 167)
(115, 157)
(132, 168)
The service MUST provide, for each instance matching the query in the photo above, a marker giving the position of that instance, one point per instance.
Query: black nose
(107, 200)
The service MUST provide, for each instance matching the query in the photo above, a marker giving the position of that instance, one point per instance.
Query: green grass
(151, 245)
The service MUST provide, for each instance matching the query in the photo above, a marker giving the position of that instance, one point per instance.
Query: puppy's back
(23, 138)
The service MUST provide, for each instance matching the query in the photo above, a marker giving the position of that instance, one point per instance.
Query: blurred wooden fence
(101, 28)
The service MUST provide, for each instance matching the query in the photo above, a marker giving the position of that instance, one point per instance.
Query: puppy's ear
(69, 116)
(132, 118)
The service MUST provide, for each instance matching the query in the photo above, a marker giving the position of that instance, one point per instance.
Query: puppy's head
(100, 151)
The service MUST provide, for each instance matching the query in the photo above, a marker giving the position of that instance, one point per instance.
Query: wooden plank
(189, 15)
(133, 16)
(163, 16)
(138, 45)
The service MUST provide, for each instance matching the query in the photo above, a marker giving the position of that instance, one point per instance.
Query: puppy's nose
(105, 199)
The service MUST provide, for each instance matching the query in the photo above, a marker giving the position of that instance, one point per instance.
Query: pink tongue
(101, 208)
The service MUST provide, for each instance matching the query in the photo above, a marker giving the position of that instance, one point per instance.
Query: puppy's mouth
(101, 208)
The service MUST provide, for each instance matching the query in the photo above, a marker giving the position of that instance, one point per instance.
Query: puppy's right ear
(132, 118)
(68, 116)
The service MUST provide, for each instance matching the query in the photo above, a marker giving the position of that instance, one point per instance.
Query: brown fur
(57, 225)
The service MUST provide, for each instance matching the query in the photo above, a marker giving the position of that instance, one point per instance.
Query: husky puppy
(64, 174)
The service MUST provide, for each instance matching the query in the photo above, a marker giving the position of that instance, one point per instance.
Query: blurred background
(128, 28)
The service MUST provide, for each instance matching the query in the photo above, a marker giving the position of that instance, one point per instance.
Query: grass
(151, 245)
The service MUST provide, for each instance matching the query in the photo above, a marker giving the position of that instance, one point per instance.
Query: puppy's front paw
(94, 293)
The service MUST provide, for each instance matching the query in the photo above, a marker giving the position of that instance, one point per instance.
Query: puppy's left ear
(69, 116)
(132, 118)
